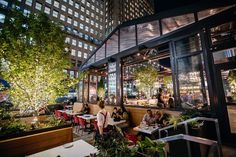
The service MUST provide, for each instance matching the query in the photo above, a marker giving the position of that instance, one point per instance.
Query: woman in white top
(102, 118)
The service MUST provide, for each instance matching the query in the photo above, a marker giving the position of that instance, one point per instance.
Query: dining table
(78, 148)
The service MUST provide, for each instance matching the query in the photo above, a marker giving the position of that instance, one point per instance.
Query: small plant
(174, 121)
(54, 121)
(150, 148)
(113, 144)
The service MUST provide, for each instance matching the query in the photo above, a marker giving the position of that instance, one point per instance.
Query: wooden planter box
(35, 141)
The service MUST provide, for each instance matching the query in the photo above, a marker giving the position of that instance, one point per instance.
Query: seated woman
(85, 109)
(148, 118)
(161, 118)
(115, 115)
(123, 115)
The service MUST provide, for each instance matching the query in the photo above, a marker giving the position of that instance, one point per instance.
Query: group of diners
(155, 118)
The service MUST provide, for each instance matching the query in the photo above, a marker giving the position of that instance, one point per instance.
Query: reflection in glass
(149, 83)
(127, 37)
(147, 31)
(223, 33)
(224, 56)
(112, 88)
(91, 60)
(173, 23)
(229, 85)
(85, 89)
(188, 45)
(80, 91)
(112, 44)
(192, 86)
(93, 89)
(100, 54)
(209, 12)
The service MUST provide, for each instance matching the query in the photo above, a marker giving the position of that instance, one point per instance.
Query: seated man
(148, 118)
(115, 115)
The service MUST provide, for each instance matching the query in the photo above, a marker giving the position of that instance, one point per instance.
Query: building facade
(82, 20)
(119, 11)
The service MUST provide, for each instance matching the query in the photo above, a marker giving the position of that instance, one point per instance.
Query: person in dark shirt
(85, 109)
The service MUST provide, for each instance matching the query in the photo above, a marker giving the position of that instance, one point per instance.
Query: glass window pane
(147, 31)
(80, 91)
(173, 23)
(209, 12)
(91, 60)
(188, 45)
(100, 54)
(192, 82)
(223, 33)
(93, 89)
(224, 56)
(112, 44)
(127, 38)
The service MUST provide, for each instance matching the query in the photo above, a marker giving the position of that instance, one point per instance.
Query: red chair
(58, 114)
(76, 123)
(131, 138)
(82, 124)
(66, 116)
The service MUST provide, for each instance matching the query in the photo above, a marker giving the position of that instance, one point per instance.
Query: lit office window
(74, 42)
(47, 10)
(55, 13)
(67, 40)
(86, 37)
(5, 3)
(93, 7)
(96, 25)
(75, 23)
(91, 30)
(92, 22)
(94, 1)
(85, 55)
(79, 54)
(62, 17)
(71, 2)
(91, 48)
(100, 19)
(56, 4)
(101, 27)
(87, 12)
(101, 12)
(88, 4)
(63, 8)
(2, 18)
(69, 20)
(65, 0)
(97, 10)
(80, 44)
(92, 14)
(26, 12)
(85, 46)
(76, 14)
(38, 6)
(77, 5)
(70, 11)
(82, 9)
(86, 28)
(87, 20)
(81, 34)
(73, 52)
(96, 17)
(49, 1)
(81, 26)
(28, 2)
(83, 1)
(82, 17)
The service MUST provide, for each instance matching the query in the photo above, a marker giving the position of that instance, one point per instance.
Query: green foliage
(146, 76)
(13, 127)
(174, 121)
(232, 82)
(54, 121)
(113, 144)
(33, 57)
(151, 148)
